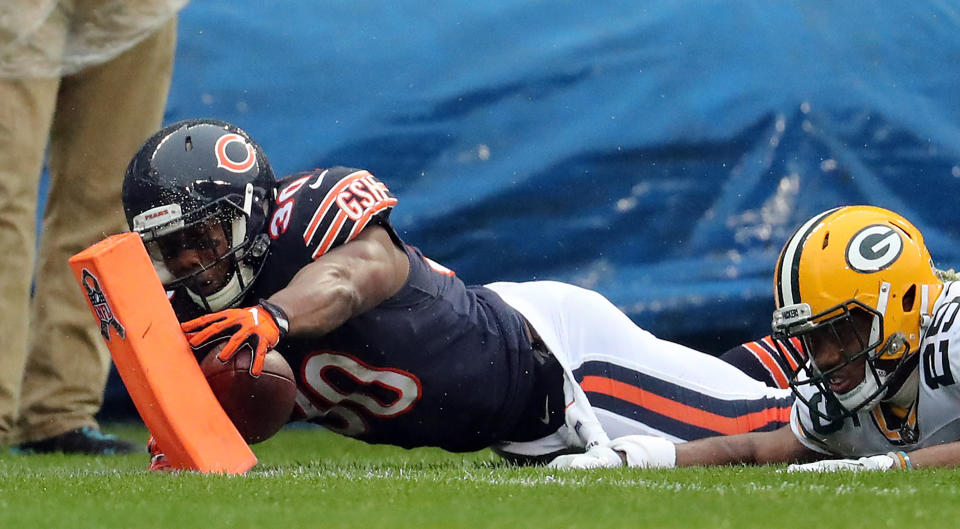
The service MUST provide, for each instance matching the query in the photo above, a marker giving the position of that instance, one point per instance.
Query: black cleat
(86, 440)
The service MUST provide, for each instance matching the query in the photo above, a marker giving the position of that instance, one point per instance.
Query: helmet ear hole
(905, 229)
(909, 298)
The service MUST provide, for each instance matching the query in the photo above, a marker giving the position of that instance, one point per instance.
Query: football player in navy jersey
(389, 346)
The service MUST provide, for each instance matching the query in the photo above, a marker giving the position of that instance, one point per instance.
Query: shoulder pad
(330, 207)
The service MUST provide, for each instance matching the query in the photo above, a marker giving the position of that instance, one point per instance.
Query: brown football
(258, 407)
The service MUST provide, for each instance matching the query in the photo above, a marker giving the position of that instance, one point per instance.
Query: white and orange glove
(259, 327)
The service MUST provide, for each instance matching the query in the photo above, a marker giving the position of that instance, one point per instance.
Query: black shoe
(87, 440)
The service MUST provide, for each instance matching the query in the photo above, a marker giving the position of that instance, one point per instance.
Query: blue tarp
(659, 152)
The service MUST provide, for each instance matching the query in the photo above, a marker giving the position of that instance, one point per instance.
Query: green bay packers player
(876, 372)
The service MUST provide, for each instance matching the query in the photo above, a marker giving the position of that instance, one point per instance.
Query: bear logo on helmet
(874, 248)
(234, 166)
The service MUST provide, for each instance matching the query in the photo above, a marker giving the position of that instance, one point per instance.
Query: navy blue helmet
(202, 185)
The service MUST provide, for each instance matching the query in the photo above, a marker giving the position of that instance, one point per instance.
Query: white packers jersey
(933, 420)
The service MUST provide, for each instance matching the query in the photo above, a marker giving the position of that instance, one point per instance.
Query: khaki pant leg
(26, 110)
(103, 115)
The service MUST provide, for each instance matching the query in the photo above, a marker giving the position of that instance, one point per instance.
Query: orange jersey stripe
(768, 362)
(341, 218)
(328, 202)
(682, 412)
(331, 234)
(362, 221)
(798, 347)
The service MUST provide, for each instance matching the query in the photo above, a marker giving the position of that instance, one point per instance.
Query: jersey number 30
(346, 392)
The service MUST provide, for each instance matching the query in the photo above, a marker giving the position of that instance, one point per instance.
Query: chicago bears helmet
(187, 177)
(854, 275)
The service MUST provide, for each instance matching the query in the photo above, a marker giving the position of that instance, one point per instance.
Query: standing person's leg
(26, 113)
(26, 110)
(103, 115)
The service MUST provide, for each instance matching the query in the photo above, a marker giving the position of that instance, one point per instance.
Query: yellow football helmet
(836, 269)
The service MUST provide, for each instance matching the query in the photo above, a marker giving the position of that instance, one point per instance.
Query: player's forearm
(945, 455)
(759, 448)
(716, 451)
(349, 280)
(318, 300)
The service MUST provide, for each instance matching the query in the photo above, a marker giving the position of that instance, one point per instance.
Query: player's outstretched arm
(344, 282)
(645, 451)
(945, 455)
(348, 280)
(778, 446)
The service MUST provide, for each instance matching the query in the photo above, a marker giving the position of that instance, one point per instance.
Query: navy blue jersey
(438, 364)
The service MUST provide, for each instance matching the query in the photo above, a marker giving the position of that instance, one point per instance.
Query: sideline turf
(310, 478)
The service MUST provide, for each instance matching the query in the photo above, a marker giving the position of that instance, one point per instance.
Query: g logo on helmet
(874, 248)
(234, 166)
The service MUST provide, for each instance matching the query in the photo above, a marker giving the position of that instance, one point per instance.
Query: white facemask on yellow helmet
(856, 274)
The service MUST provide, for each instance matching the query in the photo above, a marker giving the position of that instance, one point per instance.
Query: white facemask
(221, 299)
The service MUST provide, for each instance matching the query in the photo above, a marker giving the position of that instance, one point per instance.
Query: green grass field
(310, 478)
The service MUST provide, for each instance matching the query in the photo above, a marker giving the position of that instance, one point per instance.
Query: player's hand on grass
(259, 327)
(640, 451)
(878, 462)
(646, 451)
(597, 457)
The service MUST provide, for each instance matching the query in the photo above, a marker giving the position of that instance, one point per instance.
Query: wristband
(901, 460)
(278, 315)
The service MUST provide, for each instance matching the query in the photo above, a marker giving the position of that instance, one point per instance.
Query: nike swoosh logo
(546, 411)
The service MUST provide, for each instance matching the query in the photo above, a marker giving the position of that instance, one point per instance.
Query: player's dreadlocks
(947, 275)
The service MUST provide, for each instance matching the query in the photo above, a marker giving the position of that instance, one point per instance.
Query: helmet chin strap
(867, 393)
(861, 394)
(906, 395)
(222, 298)
(882, 298)
(925, 317)
(905, 391)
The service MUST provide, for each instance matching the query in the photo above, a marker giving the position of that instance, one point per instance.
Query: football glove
(878, 462)
(646, 451)
(599, 456)
(259, 327)
(639, 451)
